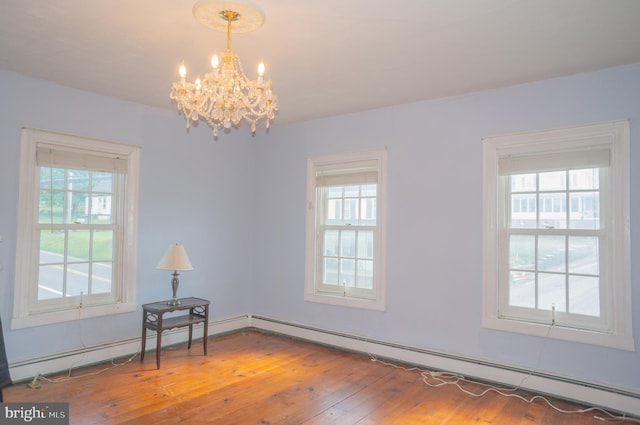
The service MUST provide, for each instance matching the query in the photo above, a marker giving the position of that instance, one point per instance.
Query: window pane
(551, 250)
(45, 211)
(584, 179)
(522, 290)
(334, 211)
(584, 295)
(348, 243)
(522, 252)
(79, 180)
(369, 190)
(77, 279)
(367, 211)
(523, 211)
(368, 204)
(555, 180)
(365, 244)
(585, 210)
(348, 272)
(101, 182)
(584, 255)
(51, 246)
(351, 214)
(351, 191)
(51, 207)
(365, 274)
(78, 206)
(330, 271)
(52, 178)
(101, 278)
(102, 245)
(334, 191)
(50, 282)
(553, 211)
(100, 209)
(78, 245)
(551, 291)
(331, 240)
(523, 183)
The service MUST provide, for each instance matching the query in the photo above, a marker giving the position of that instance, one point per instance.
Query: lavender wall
(193, 190)
(238, 205)
(434, 205)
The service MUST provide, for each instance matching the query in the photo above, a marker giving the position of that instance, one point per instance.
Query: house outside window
(556, 234)
(345, 229)
(76, 228)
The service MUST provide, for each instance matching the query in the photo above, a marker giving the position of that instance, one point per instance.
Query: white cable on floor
(444, 378)
(98, 372)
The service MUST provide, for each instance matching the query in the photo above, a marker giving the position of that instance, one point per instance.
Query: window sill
(345, 301)
(50, 317)
(611, 340)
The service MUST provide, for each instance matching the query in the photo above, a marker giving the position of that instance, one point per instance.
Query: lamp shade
(175, 258)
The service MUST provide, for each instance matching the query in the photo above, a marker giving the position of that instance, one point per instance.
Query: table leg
(190, 336)
(159, 340)
(144, 335)
(205, 328)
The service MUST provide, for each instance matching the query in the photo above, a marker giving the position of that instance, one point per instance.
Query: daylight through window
(76, 228)
(556, 229)
(344, 230)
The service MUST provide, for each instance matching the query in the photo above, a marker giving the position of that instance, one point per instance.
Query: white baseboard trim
(53, 363)
(616, 400)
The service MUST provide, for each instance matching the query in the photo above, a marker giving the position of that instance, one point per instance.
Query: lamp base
(174, 286)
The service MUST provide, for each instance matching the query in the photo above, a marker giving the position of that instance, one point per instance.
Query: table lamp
(175, 259)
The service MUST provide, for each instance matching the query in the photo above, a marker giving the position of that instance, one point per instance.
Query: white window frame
(27, 311)
(615, 265)
(314, 290)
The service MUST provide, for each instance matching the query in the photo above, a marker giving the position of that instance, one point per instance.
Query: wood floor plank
(253, 377)
(355, 406)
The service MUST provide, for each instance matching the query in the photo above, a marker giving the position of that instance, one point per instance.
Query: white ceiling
(325, 57)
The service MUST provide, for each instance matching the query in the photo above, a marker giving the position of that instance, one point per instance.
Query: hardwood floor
(258, 378)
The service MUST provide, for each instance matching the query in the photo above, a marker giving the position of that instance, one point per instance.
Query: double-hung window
(345, 230)
(557, 233)
(76, 228)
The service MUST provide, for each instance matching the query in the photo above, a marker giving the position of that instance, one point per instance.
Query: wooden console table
(152, 319)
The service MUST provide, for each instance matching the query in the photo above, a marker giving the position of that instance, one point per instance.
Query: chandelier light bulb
(182, 71)
(260, 72)
(215, 62)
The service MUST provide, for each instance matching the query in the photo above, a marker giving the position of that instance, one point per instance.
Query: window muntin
(556, 233)
(345, 232)
(78, 233)
(77, 214)
(347, 241)
(553, 251)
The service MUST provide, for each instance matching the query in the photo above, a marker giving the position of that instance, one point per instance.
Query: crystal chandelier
(225, 96)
